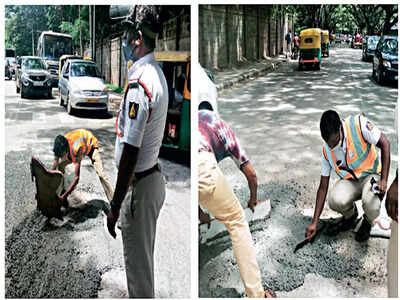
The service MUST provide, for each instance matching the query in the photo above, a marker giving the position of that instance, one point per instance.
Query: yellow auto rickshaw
(310, 48)
(176, 68)
(325, 45)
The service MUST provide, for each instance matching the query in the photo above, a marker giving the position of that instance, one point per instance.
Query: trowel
(306, 241)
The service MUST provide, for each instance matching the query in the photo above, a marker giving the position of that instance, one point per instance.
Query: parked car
(7, 69)
(32, 77)
(81, 87)
(385, 61)
(369, 46)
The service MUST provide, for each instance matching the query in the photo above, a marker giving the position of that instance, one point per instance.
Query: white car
(81, 87)
(208, 93)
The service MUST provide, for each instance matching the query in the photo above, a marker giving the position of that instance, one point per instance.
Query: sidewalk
(228, 78)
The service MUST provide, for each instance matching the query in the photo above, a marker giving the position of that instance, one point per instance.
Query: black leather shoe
(364, 231)
(342, 225)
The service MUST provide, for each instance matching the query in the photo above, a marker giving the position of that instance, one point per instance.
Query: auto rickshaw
(325, 45)
(310, 48)
(176, 68)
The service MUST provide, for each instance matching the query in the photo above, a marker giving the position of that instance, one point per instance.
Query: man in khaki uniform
(349, 149)
(140, 128)
(217, 141)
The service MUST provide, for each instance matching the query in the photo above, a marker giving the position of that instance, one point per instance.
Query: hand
(382, 186)
(311, 231)
(204, 218)
(63, 199)
(252, 203)
(391, 201)
(112, 219)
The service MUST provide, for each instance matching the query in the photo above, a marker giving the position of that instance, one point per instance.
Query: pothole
(275, 238)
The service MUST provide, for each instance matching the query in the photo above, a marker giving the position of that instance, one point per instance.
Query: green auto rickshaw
(310, 48)
(325, 44)
(176, 68)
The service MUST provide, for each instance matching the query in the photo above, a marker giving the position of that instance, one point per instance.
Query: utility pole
(94, 32)
(90, 31)
(33, 43)
(80, 31)
(92, 25)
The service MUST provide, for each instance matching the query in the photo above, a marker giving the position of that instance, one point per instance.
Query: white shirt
(138, 129)
(371, 134)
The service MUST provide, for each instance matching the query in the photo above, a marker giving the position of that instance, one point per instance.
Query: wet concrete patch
(339, 258)
(53, 258)
(50, 263)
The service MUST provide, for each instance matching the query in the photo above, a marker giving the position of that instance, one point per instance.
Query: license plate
(92, 99)
(35, 83)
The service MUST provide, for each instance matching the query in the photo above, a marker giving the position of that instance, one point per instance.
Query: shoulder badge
(133, 110)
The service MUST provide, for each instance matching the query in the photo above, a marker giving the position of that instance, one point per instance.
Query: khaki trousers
(217, 197)
(392, 262)
(344, 192)
(138, 225)
(98, 166)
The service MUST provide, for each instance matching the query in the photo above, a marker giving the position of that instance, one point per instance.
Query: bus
(51, 46)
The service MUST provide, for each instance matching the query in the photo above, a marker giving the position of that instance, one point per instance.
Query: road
(276, 118)
(79, 259)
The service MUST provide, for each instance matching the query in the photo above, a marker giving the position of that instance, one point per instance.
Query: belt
(140, 175)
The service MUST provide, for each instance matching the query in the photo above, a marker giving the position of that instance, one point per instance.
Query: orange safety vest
(81, 140)
(361, 156)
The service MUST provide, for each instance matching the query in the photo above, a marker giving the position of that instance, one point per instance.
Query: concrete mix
(357, 266)
(58, 259)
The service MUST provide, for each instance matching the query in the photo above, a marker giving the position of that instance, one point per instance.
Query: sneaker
(342, 225)
(364, 231)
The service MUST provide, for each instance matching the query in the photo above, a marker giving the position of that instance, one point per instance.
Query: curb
(246, 75)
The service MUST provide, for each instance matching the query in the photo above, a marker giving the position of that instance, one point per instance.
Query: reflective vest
(81, 140)
(361, 156)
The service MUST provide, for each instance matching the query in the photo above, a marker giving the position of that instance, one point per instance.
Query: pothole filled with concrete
(60, 259)
(341, 259)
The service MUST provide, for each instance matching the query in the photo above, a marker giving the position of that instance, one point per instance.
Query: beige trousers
(138, 225)
(392, 262)
(217, 197)
(98, 166)
(344, 192)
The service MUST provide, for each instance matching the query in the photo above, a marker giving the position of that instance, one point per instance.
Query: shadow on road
(87, 114)
(77, 215)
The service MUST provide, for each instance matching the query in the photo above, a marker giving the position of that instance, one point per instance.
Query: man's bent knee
(340, 201)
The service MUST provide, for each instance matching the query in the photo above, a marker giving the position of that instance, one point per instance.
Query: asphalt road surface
(276, 118)
(36, 270)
